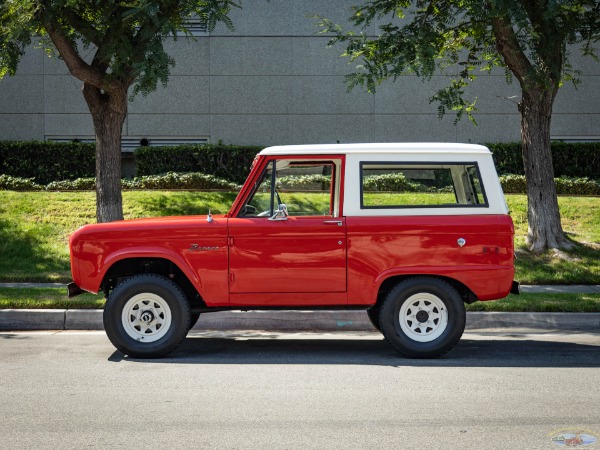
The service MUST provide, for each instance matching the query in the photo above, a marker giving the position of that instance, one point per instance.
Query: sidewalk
(322, 321)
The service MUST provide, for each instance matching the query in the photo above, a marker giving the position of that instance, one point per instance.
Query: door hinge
(231, 278)
(230, 242)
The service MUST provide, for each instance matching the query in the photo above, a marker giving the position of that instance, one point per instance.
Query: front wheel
(146, 316)
(422, 317)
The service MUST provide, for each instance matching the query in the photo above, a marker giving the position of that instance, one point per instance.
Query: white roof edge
(404, 147)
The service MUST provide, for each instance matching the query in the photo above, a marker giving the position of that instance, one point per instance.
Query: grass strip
(543, 302)
(56, 298)
(47, 298)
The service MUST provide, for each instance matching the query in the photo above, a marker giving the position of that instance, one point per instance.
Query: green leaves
(226, 161)
(16, 30)
(187, 181)
(125, 37)
(170, 181)
(576, 186)
(58, 160)
(459, 36)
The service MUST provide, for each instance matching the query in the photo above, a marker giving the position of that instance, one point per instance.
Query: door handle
(339, 223)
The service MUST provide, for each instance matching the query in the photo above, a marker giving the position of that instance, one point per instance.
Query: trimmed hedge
(231, 162)
(185, 181)
(45, 162)
(391, 182)
(322, 182)
(173, 180)
(515, 184)
(511, 184)
(570, 159)
(80, 184)
(373, 183)
(8, 183)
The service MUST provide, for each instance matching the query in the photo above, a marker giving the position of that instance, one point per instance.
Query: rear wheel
(146, 316)
(423, 317)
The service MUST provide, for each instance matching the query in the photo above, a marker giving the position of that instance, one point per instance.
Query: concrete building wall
(274, 81)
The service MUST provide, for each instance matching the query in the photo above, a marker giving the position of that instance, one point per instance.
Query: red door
(295, 255)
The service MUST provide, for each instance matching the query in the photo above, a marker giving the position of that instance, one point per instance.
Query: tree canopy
(112, 46)
(125, 37)
(530, 39)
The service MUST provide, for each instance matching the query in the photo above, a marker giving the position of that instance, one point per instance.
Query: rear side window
(421, 185)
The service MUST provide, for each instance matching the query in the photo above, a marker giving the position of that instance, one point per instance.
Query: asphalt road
(285, 390)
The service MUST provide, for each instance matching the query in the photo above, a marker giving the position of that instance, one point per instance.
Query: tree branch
(77, 66)
(508, 46)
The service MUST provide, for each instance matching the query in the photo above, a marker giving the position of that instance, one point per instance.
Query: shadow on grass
(581, 265)
(187, 203)
(24, 256)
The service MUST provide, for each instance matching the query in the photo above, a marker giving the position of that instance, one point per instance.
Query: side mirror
(280, 214)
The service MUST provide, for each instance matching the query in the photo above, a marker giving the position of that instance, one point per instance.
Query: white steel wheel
(423, 317)
(146, 317)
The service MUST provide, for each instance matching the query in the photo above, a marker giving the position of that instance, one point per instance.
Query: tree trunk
(543, 216)
(108, 114)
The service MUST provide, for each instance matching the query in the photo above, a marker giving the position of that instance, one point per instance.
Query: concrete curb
(320, 321)
(32, 319)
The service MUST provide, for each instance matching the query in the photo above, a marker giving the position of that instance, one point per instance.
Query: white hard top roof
(420, 147)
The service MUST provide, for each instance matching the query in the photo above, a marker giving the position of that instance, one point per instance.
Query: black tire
(373, 313)
(193, 320)
(432, 321)
(158, 318)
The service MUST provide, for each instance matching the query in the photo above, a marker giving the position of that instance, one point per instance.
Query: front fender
(197, 246)
(92, 270)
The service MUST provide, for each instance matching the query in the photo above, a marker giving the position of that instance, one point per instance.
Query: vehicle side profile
(407, 232)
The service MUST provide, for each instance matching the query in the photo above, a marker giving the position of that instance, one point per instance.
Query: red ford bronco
(407, 232)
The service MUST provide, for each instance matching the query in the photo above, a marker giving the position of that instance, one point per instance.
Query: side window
(420, 185)
(306, 188)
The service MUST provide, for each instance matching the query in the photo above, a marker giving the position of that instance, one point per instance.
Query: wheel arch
(388, 284)
(122, 269)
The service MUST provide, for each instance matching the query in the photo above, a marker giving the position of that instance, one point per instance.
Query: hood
(135, 227)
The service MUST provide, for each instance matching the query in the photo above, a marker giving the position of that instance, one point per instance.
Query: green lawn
(34, 230)
(35, 226)
(56, 298)
(541, 303)
(47, 298)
